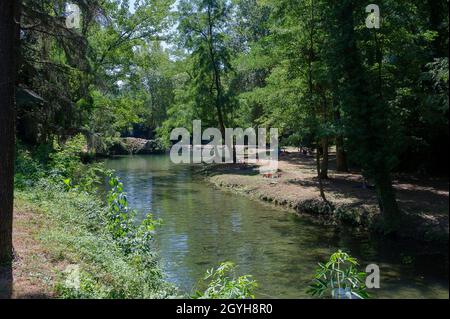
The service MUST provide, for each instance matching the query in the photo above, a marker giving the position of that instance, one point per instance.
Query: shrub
(77, 233)
(224, 284)
(28, 169)
(66, 159)
(338, 277)
(134, 239)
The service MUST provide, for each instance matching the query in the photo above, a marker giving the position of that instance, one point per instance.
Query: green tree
(367, 115)
(203, 25)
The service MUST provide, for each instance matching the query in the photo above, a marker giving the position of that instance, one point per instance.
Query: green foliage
(65, 164)
(134, 239)
(224, 284)
(28, 168)
(116, 257)
(270, 63)
(202, 30)
(339, 276)
(92, 177)
(67, 157)
(115, 254)
(102, 79)
(350, 216)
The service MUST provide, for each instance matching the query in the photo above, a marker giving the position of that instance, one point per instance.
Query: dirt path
(32, 273)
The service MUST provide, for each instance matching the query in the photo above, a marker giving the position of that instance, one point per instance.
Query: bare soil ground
(32, 273)
(424, 199)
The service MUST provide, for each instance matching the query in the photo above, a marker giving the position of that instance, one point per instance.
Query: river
(203, 226)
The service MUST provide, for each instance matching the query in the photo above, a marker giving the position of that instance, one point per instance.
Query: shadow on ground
(6, 282)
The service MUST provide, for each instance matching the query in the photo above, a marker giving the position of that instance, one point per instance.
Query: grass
(75, 233)
(81, 242)
(31, 274)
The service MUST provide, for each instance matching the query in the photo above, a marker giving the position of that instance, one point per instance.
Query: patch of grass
(76, 231)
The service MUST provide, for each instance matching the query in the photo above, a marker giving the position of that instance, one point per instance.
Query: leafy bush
(224, 284)
(66, 165)
(339, 277)
(134, 239)
(27, 169)
(77, 232)
(115, 255)
(66, 159)
(350, 216)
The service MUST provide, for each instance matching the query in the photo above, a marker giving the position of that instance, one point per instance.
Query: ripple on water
(203, 227)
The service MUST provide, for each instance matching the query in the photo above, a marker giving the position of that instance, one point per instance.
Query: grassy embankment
(73, 240)
(56, 230)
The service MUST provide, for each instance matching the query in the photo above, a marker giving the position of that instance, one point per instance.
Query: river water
(203, 226)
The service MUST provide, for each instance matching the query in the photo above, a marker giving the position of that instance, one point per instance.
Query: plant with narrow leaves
(224, 284)
(339, 277)
(134, 239)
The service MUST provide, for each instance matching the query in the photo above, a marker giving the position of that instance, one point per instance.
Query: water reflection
(203, 227)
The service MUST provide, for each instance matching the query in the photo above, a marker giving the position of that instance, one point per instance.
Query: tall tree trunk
(387, 202)
(319, 176)
(216, 75)
(311, 93)
(8, 34)
(325, 141)
(367, 129)
(325, 158)
(219, 99)
(341, 156)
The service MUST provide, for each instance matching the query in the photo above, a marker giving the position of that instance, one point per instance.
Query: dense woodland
(308, 67)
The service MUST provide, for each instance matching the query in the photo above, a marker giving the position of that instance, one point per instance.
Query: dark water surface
(204, 226)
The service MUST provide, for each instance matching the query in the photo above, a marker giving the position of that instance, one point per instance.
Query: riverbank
(424, 202)
(64, 248)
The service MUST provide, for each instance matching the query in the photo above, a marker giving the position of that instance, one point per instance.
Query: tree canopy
(311, 68)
